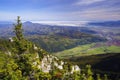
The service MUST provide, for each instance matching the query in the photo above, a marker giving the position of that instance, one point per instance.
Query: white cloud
(63, 23)
(95, 14)
(86, 2)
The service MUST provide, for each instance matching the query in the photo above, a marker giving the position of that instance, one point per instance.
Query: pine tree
(18, 29)
(22, 44)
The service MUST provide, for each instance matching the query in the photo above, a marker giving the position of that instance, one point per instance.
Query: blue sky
(60, 10)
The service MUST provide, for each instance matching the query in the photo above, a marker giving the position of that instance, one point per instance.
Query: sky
(60, 10)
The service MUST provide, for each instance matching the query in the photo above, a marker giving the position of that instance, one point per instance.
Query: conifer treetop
(18, 29)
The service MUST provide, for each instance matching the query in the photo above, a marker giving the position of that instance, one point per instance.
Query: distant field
(89, 49)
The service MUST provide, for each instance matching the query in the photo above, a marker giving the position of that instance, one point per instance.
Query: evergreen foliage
(18, 29)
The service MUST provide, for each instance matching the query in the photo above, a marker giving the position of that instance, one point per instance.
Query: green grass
(114, 49)
(86, 50)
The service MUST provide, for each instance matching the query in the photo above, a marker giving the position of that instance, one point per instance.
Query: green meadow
(86, 50)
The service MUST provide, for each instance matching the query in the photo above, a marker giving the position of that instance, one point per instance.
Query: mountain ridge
(106, 23)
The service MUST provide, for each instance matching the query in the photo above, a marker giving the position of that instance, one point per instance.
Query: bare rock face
(11, 39)
(50, 62)
(75, 68)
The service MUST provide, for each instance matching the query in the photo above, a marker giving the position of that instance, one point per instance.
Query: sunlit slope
(89, 49)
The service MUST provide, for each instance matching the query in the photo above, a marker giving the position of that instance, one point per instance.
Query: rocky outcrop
(50, 62)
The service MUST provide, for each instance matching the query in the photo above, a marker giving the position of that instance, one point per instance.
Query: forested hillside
(63, 41)
(20, 59)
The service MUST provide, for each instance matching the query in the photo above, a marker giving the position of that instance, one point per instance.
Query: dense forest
(60, 42)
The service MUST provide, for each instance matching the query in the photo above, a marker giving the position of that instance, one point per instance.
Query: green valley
(88, 49)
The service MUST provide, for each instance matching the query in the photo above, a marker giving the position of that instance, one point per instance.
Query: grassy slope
(86, 50)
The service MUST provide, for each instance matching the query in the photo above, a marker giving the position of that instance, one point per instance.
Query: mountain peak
(27, 22)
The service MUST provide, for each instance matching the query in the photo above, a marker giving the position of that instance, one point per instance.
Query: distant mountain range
(100, 23)
(106, 23)
(6, 29)
(6, 22)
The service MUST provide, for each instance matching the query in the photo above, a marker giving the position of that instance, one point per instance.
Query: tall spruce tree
(22, 44)
(18, 29)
